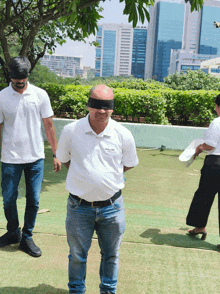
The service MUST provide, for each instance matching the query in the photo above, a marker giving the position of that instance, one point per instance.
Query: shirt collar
(26, 92)
(107, 131)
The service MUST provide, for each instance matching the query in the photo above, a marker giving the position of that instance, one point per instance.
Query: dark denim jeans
(11, 175)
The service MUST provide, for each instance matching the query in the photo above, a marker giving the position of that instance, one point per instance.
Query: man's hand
(57, 165)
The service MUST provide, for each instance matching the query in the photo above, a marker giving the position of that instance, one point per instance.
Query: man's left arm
(130, 159)
(52, 139)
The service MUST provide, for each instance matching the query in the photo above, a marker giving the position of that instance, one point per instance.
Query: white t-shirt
(21, 114)
(212, 136)
(97, 161)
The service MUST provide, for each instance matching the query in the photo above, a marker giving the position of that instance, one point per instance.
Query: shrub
(74, 101)
(139, 103)
(137, 84)
(192, 108)
(192, 80)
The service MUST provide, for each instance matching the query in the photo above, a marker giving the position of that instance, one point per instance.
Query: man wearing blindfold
(22, 106)
(97, 151)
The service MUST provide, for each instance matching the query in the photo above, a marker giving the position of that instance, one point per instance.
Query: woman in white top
(209, 183)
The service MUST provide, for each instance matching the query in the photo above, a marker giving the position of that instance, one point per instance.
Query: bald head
(101, 92)
(100, 106)
(101, 97)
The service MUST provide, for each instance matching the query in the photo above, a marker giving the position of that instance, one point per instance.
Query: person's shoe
(195, 232)
(28, 246)
(10, 238)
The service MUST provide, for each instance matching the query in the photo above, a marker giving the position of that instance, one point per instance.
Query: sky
(112, 13)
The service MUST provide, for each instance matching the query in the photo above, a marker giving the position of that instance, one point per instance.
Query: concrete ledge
(152, 136)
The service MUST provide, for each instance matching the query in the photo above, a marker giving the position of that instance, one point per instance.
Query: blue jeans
(109, 224)
(11, 175)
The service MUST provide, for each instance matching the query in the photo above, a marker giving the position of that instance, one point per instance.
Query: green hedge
(190, 108)
(138, 84)
(129, 104)
(74, 103)
(138, 103)
(158, 105)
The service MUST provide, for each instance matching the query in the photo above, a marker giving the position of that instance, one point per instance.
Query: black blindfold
(101, 104)
(19, 68)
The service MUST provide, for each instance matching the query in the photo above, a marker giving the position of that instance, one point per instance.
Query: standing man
(22, 106)
(96, 150)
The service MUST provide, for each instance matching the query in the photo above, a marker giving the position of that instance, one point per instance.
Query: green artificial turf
(156, 255)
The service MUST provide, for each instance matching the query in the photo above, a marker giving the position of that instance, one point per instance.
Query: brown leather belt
(97, 203)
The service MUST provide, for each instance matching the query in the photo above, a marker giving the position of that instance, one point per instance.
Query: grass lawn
(156, 255)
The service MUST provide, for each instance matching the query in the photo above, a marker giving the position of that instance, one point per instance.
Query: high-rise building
(165, 32)
(65, 66)
(139, 52)
(174, 26)
(113, 55)
(209, 42)
(118, 52)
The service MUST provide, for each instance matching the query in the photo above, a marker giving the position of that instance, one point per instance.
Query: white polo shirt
(97, 161)
(21, 114)
(212, 136)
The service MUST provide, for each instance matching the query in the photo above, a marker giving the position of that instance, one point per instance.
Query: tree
(36, 25)
(192, 80)
(42, 74)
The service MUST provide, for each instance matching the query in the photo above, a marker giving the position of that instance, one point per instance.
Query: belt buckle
(94, 206)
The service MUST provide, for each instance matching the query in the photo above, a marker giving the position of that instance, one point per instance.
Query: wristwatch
(54, 156)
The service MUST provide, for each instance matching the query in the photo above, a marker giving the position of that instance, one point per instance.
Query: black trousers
(203, 198)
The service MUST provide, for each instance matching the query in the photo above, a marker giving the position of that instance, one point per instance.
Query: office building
(139, 52)
(211, 66)
(121, 50)
(114, 53)
(165, 32)
(174, 26)
(182, 60)
(209, 35)
(65, 66)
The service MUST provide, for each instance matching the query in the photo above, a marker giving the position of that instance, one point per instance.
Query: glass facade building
(209, 36)
(139, 53)
(108, 61)
(169, 31)
(114, 50)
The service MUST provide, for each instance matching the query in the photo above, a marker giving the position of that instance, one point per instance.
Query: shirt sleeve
(46, 109)
(212, 134)
(63, 151)
(1, 114)
(129, 154)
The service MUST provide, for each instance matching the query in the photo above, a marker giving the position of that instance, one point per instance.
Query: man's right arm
(63, 150)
